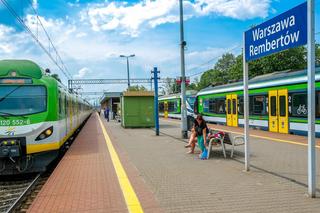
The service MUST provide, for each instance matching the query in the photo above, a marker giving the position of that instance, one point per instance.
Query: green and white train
(37, 116)
(277, 103)
(170, 105)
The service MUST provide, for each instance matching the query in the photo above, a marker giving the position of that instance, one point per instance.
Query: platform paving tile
(85, 179)
(183, 183)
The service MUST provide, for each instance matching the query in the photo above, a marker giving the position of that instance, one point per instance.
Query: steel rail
(23, 194)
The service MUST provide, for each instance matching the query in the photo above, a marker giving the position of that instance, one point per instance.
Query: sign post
(246, 106)
(290, 29)
(311, 102)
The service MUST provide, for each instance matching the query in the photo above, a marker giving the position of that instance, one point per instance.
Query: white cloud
(238, 9)
(82, 72)
(131, 18)
(91, 47)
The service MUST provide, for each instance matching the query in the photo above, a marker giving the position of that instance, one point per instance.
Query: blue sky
(90, 35)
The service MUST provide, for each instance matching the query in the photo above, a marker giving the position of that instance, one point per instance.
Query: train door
(283, 111)
(165, 109)
(71, 114)
(232, 110)
(278, 111)
(229, 110)
(273, 114)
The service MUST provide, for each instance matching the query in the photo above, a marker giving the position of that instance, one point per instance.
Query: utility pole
(184, 128)
(155, 72)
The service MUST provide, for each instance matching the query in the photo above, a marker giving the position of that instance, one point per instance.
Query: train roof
(178, 95)
(23, 68)
(267, 80)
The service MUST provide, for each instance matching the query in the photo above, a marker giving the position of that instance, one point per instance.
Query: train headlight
(45, 134)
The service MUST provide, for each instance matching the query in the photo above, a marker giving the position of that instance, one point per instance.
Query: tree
(56, 76)
(223, 66)
(194, 85)
(236, 70)
(220, 74)
(137, 88)
(291, 59)
(230, 68)
(171, 86)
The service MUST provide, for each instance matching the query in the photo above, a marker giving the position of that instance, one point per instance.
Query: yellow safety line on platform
(130, 196)
(258, 136)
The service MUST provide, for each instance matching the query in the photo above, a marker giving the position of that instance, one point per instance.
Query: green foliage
(292, 59)
(230, 68)
(137, 88)
(220, 74)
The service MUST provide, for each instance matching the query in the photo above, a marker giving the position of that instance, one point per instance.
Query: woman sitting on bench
(200, 130)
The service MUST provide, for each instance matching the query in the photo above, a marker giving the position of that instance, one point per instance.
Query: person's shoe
(187, 146)
(190, 152)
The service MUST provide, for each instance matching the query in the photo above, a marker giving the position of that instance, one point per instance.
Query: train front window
(22, 100)
(191, 101)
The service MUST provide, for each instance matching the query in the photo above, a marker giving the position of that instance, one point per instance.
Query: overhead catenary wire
(62, 67)
(49, 39)
(209, 61)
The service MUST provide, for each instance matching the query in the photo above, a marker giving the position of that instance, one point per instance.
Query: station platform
(90, 178)
(166, 179)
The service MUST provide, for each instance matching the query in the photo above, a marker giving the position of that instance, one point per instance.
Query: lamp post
(127, 57)
(184, 128)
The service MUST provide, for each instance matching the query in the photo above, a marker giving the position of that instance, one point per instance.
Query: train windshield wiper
(6, 114)
(9, 93)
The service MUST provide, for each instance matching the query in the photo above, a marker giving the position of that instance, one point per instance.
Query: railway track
(12, 193)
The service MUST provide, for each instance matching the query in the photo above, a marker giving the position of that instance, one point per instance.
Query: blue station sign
(282, 32)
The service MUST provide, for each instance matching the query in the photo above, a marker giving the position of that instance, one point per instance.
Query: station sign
(282, 32)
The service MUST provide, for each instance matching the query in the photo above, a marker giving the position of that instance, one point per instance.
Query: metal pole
(311, 101)
(246, 106)
(184, 128)
(156, 104)
(128, 72)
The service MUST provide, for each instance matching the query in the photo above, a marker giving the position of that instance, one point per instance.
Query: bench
(223, 140)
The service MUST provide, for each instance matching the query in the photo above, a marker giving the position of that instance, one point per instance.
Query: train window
(273, 103)
(318, 104)
(66, 105)
(60, 104)
(221, 106)
(205, 105)
(195, 107)
(234, 106)
(23, 100)
(283, 105)
(299, 106)
(229, 106)
(171, 106)
(212, 104)
(257, 105)
(241, 110)
(161, 106)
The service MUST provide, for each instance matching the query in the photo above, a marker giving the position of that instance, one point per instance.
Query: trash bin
(190, 121)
